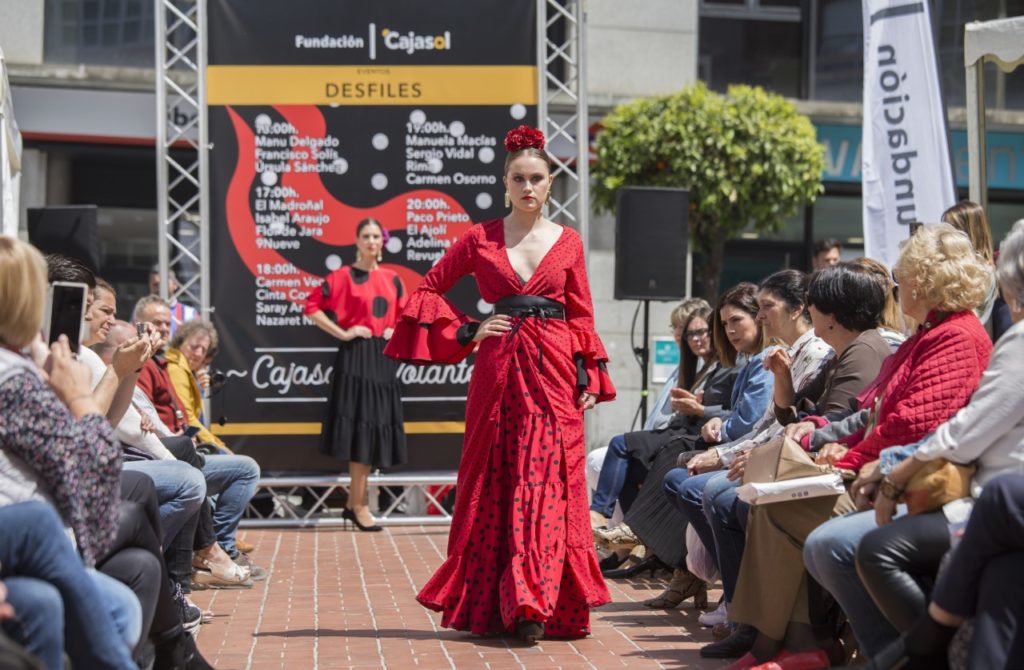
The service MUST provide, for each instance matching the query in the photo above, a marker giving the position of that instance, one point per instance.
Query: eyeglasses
(697, 334)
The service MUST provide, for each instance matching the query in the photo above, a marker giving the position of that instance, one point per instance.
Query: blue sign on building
(1005, 156)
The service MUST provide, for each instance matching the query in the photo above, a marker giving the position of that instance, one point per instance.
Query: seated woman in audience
(980, 582)
(892, 326)
(231, 477)
(845, 302)
(969, 217)
(924, 383)
(739, 341)
(56, 446)
(624, 462)
(899, 557)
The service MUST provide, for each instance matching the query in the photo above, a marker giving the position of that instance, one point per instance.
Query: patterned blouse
(77, 463)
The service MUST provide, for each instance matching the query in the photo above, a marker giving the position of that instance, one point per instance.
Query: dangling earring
(508, 199)
(548, 198)
(359, 255)
(913, 294)
(380, 257)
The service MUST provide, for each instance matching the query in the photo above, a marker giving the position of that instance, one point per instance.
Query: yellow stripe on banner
(296, 428)
(371, 85)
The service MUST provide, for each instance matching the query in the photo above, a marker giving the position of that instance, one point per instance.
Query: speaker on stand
(69, 230)
(652, 258)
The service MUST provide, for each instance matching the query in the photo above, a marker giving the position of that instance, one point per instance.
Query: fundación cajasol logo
(411, 41)
(408, 41)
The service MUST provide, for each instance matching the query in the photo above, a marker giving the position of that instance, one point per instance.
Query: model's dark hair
(849, 293)
(688, 359)
(530, 151)
(789, 286)
(827, 244)
(368, 222)
(64, 268)
(743, 297)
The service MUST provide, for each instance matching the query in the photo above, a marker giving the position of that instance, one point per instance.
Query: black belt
(522, 307)
(530, 305)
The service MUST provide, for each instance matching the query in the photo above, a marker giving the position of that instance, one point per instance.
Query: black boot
(180, 653)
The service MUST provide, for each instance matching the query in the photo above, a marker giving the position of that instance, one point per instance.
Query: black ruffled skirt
(364, 421)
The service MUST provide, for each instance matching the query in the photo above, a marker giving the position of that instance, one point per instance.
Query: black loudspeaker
(651, 238)
(69, 230)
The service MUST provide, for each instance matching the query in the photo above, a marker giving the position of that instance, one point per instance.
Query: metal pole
(976, 149)
(204, 171)
(645, 357)
(582, 128)
(160, 43)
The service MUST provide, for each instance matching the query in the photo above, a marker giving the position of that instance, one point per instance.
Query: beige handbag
(780, 460)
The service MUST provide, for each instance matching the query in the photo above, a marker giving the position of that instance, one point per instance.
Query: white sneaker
(712, 619)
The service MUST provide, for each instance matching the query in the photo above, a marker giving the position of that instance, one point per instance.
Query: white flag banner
(906, 171)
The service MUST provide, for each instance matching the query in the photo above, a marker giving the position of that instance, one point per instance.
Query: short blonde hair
(22, 292)
(941, 265)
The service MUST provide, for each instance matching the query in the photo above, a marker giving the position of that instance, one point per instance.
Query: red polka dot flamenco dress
(520, 543)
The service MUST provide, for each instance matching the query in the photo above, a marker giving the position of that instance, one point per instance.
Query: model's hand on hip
(357, 331)
(493, 326)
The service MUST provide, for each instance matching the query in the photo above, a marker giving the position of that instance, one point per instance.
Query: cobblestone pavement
(342, 599)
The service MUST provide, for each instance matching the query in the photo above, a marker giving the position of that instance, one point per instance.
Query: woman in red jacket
(929, 378)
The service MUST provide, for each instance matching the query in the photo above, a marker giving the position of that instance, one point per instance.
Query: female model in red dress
(520, 554)
(359, 304)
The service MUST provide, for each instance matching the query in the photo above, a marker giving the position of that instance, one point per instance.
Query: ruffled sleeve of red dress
(588, 351)
(428, 330)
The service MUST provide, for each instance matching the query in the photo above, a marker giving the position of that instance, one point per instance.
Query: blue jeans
(33, 544)
(620, 477)
(233, 479)
(180, 488)
(39, 619)
(686, 493)
(830, 556)
(120, 602)
(727, 516)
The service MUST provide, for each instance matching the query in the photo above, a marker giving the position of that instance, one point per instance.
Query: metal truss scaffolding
(183, 202)
(182, 176)
(562, 107)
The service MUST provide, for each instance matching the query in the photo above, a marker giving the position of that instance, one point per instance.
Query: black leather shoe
(734, 646)
(649, 564)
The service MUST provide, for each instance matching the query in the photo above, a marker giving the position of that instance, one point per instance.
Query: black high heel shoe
(612, 561)
(349, 515)
(529, 631)
(649, 564)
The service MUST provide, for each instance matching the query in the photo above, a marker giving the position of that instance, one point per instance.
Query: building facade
(82, 81)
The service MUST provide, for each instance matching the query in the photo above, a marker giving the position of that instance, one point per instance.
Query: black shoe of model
(530, 632)
(349, 515)
(734, 646)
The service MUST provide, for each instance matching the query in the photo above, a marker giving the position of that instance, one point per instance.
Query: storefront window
(100, 32)
(745, 51)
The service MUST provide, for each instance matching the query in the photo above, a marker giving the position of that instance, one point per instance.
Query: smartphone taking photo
(65, 312)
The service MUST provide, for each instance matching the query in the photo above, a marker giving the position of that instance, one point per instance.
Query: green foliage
(746, 157)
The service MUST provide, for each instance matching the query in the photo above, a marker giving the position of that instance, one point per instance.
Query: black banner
(321, 115)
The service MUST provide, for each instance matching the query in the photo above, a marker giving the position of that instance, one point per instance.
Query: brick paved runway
(342, 599)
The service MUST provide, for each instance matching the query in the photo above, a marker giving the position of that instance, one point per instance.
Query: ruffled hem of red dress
(426, 332)
(449, 588)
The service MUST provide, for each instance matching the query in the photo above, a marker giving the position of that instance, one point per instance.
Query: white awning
(10, 157)
(1001, 42)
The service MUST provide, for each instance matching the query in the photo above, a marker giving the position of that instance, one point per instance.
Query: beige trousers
(772, 586)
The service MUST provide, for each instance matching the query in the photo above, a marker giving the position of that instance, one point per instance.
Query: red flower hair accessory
(524, 137)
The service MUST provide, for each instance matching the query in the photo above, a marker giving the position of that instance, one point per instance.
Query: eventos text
(380, 90)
